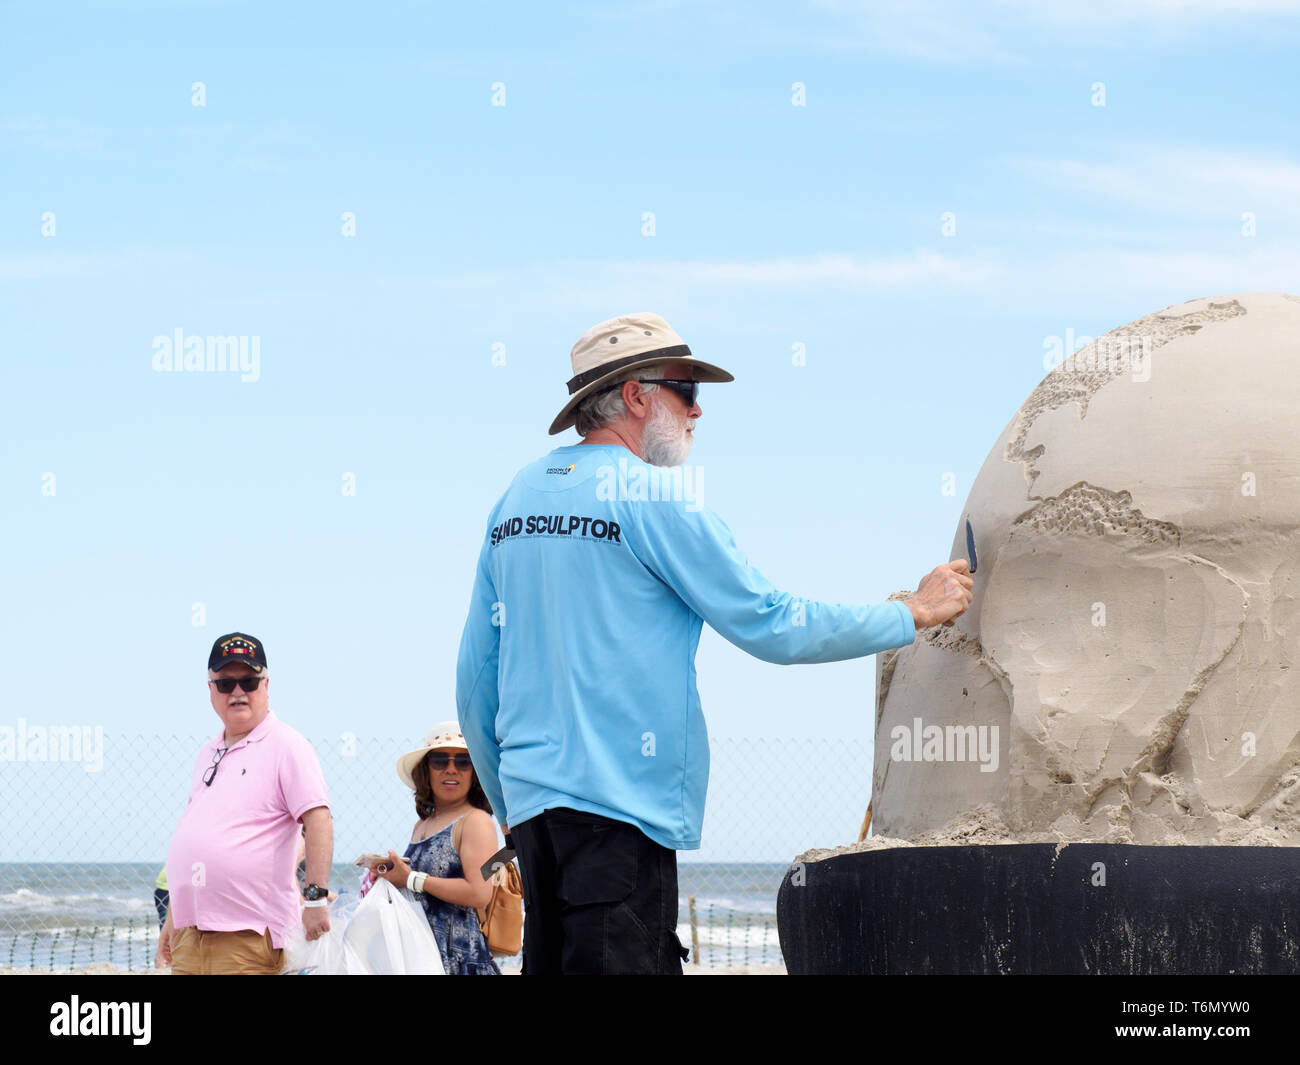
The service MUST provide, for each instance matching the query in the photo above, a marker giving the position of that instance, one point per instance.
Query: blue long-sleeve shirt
(575, 683)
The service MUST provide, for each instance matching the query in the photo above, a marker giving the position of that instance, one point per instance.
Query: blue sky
(522, 225)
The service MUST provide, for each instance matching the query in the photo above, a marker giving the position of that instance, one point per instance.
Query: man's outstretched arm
(696, 555)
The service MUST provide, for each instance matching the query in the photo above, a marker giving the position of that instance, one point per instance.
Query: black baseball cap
(237, 647)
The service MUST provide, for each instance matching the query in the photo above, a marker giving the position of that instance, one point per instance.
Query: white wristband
(415, 881)
(315, 902)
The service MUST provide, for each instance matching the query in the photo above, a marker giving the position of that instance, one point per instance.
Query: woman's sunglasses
(441, 761)
(227, 684)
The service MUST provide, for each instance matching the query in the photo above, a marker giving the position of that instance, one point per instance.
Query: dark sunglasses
(688, 390)
(227, 684)
(440, 761)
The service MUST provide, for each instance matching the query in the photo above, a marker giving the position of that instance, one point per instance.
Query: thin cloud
(1077, 283)
(1136, 10)
(37, 266)
(921, 267)
(1209, 273)
(1011, 31)
(1190, 180)
(60, 136)
(721, 288)
(730, 291)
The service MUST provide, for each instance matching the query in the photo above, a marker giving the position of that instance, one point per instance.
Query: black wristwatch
(312, 892)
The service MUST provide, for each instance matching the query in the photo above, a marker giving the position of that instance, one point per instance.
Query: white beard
(666, 442)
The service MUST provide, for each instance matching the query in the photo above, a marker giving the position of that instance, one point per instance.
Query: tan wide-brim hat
(616, 346)
(446, 734)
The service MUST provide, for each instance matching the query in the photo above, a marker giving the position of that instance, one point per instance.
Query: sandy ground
(107, 969)
(739, 970)
(102, 968)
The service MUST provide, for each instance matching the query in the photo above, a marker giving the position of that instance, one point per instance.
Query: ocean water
(61, 915)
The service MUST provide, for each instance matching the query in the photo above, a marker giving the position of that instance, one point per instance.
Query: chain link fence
(87, 825)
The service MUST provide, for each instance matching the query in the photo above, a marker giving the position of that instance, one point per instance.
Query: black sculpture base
(1025, 908)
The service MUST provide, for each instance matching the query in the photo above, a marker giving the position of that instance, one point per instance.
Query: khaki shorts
(244, 953)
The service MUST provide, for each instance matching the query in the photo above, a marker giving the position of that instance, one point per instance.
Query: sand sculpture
(1125, 672)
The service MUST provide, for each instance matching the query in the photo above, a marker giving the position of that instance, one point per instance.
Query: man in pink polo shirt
(231, 865)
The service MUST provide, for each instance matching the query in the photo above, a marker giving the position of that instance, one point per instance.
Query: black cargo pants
(600, 897)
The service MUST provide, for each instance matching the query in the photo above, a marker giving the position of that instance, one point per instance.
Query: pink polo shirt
(232, 860)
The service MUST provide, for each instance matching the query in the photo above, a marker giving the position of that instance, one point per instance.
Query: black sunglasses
(688, 390)
(210, 774)
(440, 761)
(227, 684)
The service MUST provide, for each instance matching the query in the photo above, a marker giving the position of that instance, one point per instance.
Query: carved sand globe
(1131, 640)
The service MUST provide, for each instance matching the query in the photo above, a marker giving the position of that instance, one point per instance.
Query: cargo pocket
(595, 862)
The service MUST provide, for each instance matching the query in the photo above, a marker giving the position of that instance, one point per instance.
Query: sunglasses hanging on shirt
(210, 774)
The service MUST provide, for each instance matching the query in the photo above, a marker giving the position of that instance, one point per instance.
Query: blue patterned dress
(460, 940)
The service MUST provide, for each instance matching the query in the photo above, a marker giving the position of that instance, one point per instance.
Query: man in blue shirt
(576, 673)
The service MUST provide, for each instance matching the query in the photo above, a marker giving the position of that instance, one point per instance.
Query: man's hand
(943, 594)
(163, 956)
(315, 921)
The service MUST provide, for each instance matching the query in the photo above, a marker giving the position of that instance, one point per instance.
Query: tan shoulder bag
(502, 919)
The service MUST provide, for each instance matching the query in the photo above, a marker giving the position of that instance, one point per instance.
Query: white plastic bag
(387, 935)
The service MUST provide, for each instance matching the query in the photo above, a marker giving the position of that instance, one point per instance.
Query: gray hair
(606, 405)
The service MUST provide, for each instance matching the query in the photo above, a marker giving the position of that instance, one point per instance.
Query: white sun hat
(446, 734)
(617, 345)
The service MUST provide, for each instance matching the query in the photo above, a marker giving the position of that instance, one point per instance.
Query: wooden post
(695, 934)
(866, 824)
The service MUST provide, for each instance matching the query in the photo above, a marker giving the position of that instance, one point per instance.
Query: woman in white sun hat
(449, 844)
